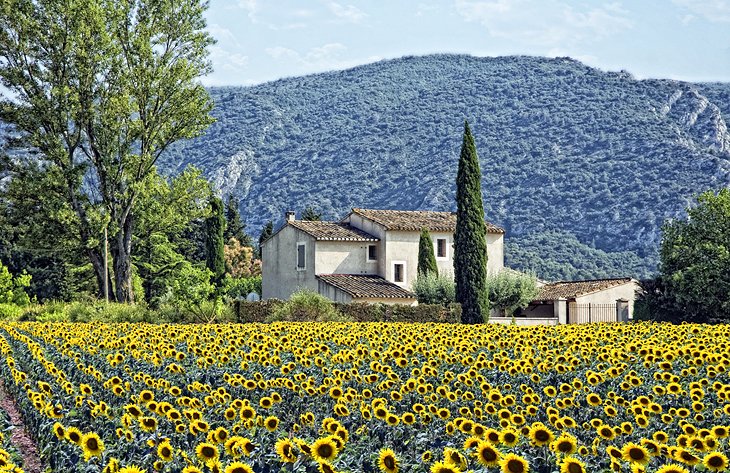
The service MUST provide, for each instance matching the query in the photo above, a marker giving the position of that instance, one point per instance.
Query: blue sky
(262, 40)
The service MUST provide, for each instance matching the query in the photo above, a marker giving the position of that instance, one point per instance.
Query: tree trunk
(122, 254)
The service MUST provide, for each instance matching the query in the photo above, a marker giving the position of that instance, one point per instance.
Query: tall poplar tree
(215, 226)
(470, 238)
(102, 88)
(426, 257)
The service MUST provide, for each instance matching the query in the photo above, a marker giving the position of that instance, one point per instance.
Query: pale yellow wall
(279, 275)
(374, 229)
(495, 252)
(344, 257)
(611, 295)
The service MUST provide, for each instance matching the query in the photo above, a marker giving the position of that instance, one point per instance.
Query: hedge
(260, 311)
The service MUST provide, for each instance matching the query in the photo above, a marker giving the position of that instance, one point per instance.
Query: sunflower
(540, 435)
(59, 431)
(686, 457)
(440, 467)
(164, 451)
(715, 461)
(74, 435)
(285, 449)
(634, 453)
(148, 424)
(238, 467)
(486, 454)
(606, 432)
(92, 445)
(426, 456)
(565, 444)
(220, 434)
(453, 457)
(672, 468)
(509, 437)
(572, 465)
(207, 453)
(324, 449)
(512, 463)
(326, 467)
(387, 461)
(271, 423)
(471, 442)
(132, 469)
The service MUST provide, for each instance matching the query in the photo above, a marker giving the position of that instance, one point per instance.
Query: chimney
(290, 216)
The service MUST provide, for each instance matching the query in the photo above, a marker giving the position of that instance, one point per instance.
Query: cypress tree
(470, 238)
(266, 232)
(426, 258)
(235, 228)
(215, 227)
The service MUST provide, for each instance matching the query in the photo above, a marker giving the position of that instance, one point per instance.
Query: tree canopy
(100, 90)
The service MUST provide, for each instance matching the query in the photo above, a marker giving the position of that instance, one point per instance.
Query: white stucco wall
(334, 293)
(344, 257)
(611, 295)
(523, 321)
(280, 277)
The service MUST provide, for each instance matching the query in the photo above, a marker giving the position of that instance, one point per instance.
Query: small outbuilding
(577, 302)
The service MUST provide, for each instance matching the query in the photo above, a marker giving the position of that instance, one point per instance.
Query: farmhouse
(369, 256)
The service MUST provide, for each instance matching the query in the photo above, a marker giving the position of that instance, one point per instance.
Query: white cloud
(347, 12)
(251, 6)
(225, 60)
(716, 11)
(278, 52)
(548, 23)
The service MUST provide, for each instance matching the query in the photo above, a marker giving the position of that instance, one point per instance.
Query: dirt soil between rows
(19, 436)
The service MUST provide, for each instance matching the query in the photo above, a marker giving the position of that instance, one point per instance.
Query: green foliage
(307, 306)
(215, 244)
(190, 286)
(235, 228)
(239, 288)
(510, 290)
(433, 288)
(470, 237)
(426, 258)
(558, 255)
(695, 262)
(311, 214)
(100, 91)
(13, 288)
(265, 234)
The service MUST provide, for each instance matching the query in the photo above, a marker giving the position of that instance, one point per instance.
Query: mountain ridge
(575, 160)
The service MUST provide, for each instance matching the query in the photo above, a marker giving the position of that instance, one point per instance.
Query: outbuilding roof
(366, 286)
(572, 289)
(332, 231)
(417, 220)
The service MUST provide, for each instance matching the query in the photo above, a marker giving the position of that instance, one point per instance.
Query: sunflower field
(372, 397)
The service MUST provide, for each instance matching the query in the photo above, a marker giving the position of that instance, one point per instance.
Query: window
(399, 271)
(301, 256)
(441, 248)
(372, 252)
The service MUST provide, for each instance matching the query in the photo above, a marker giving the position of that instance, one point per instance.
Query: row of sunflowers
(372, 397)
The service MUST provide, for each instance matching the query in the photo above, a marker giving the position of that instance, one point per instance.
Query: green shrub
(432, 288)
(253, 312)
(10, 311)
(511, 290)
(207, 312)
(239, 288)
(307, 306)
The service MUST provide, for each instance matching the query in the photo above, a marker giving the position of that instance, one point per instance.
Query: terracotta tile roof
(416, 220)
(332, 231)
(571, 289)
(366, 286)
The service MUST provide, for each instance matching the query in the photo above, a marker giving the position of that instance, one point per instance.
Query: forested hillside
(574, 159)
